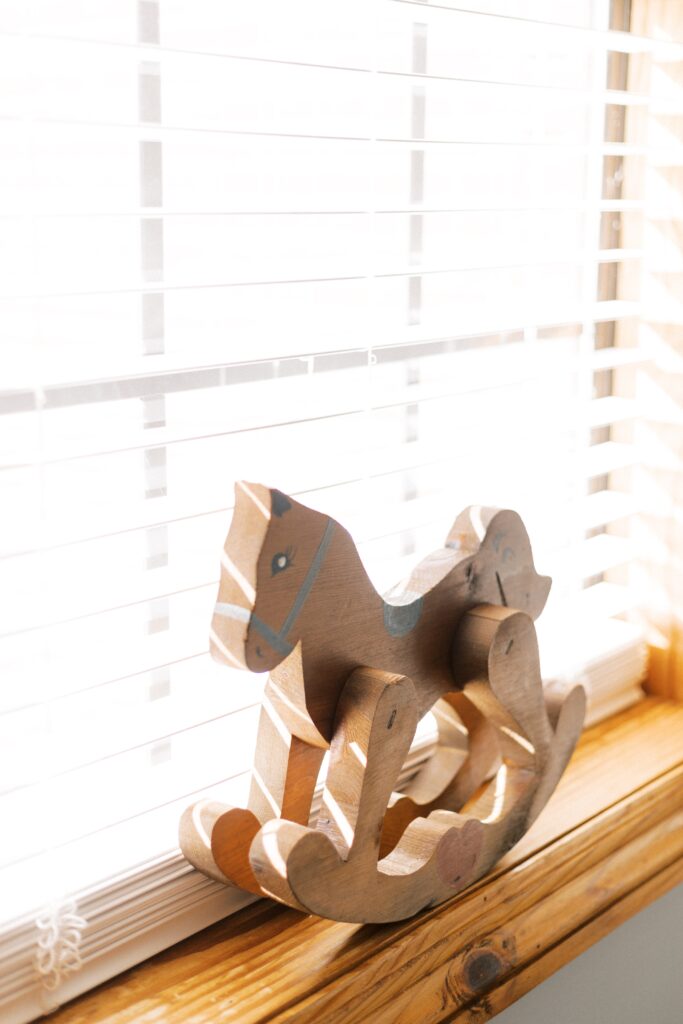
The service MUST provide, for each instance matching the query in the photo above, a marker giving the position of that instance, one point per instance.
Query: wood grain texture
(334, 869)
(536, 972)
(609, 841)
(356, 671)
(485, 960)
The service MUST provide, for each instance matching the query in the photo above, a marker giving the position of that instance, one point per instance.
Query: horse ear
(508, 548)
(280, 503)
(469, 530)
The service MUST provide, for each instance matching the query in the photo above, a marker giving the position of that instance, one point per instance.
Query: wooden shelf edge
(525, 980)
(609, 841)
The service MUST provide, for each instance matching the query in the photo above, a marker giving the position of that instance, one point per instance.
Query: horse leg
(467, 755)
(497, 663)
(333, 870)
(496, 658)
(216, 837)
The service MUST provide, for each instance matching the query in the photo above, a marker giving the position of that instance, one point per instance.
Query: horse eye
(280, 562)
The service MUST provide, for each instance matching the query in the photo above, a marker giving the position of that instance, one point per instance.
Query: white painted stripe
(258, 779)
(282, 696)
(254, 497)
(228, 655)
(340, 819)
(232, 611)
(358, 753)
(239, 578)
(271, 711)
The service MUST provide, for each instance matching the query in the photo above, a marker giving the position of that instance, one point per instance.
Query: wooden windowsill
(609, 842)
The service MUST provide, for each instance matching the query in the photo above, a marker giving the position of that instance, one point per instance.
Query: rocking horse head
(500, 568)
(273, 554)
(503, 566)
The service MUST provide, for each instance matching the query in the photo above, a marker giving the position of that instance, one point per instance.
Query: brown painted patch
(458, 853)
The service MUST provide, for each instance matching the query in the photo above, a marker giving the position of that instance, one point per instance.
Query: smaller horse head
(273, 553)
(502, 570)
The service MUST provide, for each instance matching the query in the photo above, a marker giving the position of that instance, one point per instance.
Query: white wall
(634, 976)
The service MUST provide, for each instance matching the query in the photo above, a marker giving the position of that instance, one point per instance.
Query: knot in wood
(482, 969)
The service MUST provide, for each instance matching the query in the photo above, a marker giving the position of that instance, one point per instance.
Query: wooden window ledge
(608, 843)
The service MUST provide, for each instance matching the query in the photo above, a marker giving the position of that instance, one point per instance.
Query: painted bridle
(278, 639)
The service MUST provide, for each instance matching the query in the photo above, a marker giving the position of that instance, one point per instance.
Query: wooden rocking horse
(353, 672)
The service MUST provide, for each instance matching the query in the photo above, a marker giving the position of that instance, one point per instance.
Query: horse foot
(275, 848)
(216, 838)
(335, 870)
(567, 722)
(435, 858)
(303, 868)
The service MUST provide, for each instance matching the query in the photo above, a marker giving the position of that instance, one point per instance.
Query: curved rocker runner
(353, 672)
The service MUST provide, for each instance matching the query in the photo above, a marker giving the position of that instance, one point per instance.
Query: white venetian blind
(351, 250)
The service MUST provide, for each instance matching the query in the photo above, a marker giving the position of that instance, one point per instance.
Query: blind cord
(58, 947)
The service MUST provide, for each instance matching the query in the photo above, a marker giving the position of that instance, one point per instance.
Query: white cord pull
(58, 945)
